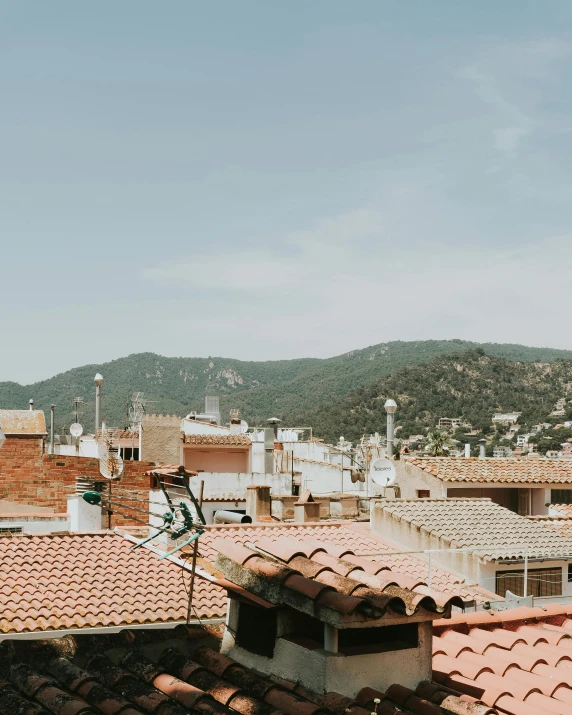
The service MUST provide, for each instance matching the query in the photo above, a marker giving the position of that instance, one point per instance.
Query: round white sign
(382, 472)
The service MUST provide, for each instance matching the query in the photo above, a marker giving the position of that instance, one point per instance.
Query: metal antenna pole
(194, 566)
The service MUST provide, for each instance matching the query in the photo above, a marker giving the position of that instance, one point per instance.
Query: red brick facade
(29, 476)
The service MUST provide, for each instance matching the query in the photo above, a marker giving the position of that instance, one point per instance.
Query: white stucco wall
(323, 672)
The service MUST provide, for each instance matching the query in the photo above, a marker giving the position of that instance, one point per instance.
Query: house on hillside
(490, 545)
(525, 486)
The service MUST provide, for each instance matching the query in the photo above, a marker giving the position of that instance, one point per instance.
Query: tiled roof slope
(493, 531)
(239, 440)
(516, 661)
(54, 582)
(177, 672)
(348, 535)
(327, 577)
(488, 471)
(16, 422)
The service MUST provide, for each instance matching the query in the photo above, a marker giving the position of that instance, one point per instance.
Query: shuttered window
(541, 582)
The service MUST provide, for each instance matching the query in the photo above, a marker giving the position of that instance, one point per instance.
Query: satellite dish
(76, 430)
(243, 426)
(110, 465)
(382, 472)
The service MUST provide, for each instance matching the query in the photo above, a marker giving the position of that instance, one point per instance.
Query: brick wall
(28, 476)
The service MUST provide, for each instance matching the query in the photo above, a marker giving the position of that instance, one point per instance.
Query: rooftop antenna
(178, 520)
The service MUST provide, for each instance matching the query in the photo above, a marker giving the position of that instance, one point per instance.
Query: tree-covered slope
(283, 388)
(471, 385)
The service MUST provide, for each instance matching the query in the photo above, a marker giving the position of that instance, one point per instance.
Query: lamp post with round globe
(98, 379)
(390, 408)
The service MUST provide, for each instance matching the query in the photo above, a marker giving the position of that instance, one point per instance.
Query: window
(569, 573)
(423, 493)
(11, 529)
(561, 496)
(541, 582)
(359, 641)
(256, 630)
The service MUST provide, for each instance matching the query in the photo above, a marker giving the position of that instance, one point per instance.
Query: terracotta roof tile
(18, 422)
(335, 538)
(325, 587)
(53, 582)
(505, 471)
(518, 662)
(240, 440)
(493, 531)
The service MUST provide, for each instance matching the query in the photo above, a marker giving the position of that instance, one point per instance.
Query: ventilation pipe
(31, 405)
(467, 450)
(98, 379)
(231, 517)
(482, 448)
(52, 435)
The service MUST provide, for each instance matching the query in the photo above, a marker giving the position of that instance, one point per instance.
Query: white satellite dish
(76, 430)
(243, 426)
(382, 472)
(110, 465)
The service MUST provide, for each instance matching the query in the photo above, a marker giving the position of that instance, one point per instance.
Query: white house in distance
(524, 486)
(491, 546)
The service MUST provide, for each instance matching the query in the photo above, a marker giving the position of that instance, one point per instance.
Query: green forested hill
(293, 389)
(471, 385)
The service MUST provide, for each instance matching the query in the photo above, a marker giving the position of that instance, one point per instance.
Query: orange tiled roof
(490, 470)
(330, 576)
(15, 422)
(515, 661)
(54, 582)
(178, 672)
(239, 440)
(344, 534)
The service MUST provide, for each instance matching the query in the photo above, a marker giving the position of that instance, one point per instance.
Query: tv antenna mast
(178, 520)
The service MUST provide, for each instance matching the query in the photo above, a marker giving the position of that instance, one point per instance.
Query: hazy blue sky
(265, 179)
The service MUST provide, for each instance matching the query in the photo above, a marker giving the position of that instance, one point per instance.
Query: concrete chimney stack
(258, 502)
(467, 451)
(482, 448)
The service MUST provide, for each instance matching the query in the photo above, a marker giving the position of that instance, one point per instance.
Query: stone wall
(161, 439)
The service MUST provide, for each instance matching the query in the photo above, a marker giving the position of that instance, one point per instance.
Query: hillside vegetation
(471, 385)
(290, 389)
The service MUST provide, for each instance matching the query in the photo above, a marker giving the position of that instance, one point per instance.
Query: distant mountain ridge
(289, 389)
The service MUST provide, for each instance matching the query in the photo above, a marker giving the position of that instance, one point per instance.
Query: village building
(490, 545)
(524, 486)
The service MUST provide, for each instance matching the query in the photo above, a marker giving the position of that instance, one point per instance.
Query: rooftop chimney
(306, 509)
(258, 502)
(482, 448)
(31, 405)
(467, 450)
(98, 379)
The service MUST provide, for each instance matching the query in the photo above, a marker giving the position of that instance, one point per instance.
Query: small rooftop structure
(23, 422)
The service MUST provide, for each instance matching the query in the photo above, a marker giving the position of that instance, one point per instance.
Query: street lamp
(390, 408)
(98, 379)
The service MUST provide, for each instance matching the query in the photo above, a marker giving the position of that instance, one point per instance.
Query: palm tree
(439, 444)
